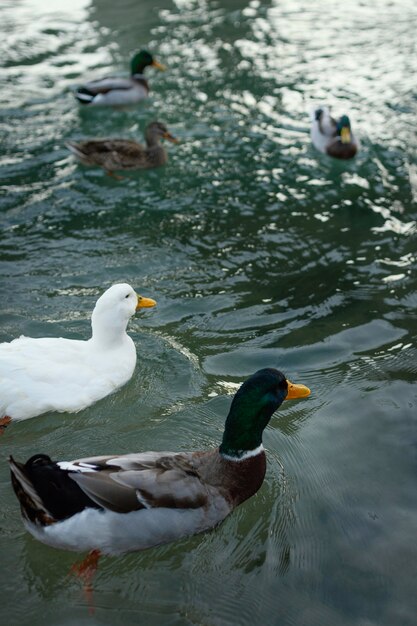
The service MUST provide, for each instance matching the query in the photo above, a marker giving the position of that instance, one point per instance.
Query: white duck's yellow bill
(297, 391)
(145, 303)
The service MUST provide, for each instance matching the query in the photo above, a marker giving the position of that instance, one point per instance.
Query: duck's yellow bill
(170, 138)
(345, 135)
(144, 303)
(297, 391)
(158, 65)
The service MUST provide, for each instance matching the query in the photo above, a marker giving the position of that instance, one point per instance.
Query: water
(259, 251)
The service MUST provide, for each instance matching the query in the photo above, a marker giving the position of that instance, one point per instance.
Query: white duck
(57, 374)
(331, 136)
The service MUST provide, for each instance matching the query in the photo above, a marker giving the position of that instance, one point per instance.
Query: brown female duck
(125, 154)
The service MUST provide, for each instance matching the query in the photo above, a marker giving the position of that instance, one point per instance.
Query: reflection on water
(260, 251)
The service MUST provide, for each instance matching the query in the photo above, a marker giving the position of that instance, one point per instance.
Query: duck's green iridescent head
(142, 59)
(343, 129)
(252, 408)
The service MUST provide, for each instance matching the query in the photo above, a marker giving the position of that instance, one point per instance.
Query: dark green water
(260, 252)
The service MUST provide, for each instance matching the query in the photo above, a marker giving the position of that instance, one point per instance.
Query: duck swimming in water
(116, 91)
(68, 375)
(119, 503)
(331, 136)
(125, 154)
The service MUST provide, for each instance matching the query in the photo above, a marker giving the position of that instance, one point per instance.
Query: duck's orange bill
(144, 303)
(297, 391)
(158, 65)
(170, 138)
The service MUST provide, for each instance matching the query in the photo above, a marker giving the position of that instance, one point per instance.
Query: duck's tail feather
(31, 504)
(84, 95)
(317, 112)
(46, 492)
(75, 149)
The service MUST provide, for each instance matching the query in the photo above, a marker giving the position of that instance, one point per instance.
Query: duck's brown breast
(236, 480)
(340, 150)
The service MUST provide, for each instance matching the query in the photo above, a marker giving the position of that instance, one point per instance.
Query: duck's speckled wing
(126, 147)
(135, 481)
(110, 153)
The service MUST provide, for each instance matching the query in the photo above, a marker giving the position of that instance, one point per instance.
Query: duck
(116, 91)
(125, 154)
(115, 504)
(331, 136)
(67, 375)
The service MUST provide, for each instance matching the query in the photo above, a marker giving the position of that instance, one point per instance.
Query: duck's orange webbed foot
(4, 422)
(85, 571)
(115, 176)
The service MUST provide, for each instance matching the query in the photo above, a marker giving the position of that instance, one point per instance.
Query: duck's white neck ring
(245, 455)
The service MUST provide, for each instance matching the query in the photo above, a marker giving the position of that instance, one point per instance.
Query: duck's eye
(127, 295)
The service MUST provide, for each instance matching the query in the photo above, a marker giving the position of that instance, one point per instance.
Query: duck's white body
(321, 137)
(113, 534)
(114, 91)
(57, 374)
(39, 375)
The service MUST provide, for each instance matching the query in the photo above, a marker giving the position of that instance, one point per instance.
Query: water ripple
(259, 251)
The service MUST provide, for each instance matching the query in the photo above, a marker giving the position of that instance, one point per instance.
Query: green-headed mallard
(115, 91)
(116, 504)
(125, 154)
(333, 137)
(57, 374)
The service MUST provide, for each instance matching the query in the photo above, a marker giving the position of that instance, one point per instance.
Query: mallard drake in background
(125, 154)
(116, 504)
(333, 137)
(115, 91)
(57, 374)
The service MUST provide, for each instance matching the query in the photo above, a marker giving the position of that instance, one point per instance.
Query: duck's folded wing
(135, 481)
(109, 83)
(326, 123)
(127, 148)
(106, 146)
(328, 126)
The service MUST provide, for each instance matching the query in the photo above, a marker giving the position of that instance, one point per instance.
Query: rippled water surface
(260, 252)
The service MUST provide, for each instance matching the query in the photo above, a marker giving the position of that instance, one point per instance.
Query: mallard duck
(333, 137)
(114, 91)
(116, 504)
(125, 154)
(57, 374)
